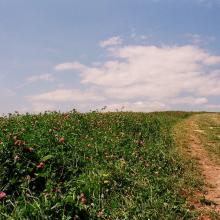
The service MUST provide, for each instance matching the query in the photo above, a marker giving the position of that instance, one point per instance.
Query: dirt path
(209, 168)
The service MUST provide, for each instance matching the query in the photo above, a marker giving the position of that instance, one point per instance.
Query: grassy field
(93, 166)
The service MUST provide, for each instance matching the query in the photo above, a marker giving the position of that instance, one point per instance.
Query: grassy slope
(210, 134)
(111, 166)
(193, 178)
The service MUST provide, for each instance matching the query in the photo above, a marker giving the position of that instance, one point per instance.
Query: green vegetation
(210, 134)
(92, 166)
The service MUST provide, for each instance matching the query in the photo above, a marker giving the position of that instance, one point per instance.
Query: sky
(132, 55)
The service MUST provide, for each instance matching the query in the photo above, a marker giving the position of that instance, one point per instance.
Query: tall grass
(91, 166)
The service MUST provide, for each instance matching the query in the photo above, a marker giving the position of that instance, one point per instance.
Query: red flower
(2, 195)
(41, 165)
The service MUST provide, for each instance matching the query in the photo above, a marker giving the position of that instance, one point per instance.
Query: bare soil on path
(209, 168)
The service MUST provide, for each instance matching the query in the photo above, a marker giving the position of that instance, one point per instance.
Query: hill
(119, 165)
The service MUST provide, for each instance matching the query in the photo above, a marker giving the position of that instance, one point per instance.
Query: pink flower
(17, 142)
(2, 195)
(62, 140)
(41, 165)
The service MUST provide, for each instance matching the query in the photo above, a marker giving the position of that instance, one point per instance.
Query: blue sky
(142, 55)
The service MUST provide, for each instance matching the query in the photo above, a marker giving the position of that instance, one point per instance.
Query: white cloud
(66, 95)
(113, 41)
(42, 77)
(155, 72)
(69, 66)
(144, 78)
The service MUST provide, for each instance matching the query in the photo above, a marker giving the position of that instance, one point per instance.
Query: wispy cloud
(199, 39)
(69, 66)
(113, 41)
(42, 77)
(66, 95)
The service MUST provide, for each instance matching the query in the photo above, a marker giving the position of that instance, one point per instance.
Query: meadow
(120, 165)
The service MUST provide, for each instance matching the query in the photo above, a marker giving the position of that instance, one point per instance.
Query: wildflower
(17, 157)
(100, 213)
(87, 158)
(82, 198)
(17, 142)
(41, 165)
(61, 140)
(140, 143)
(2, 195)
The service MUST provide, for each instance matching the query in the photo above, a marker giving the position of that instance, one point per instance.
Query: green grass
(210, 135)
(92, 166)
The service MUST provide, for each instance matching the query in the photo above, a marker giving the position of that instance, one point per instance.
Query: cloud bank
(143, 78)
